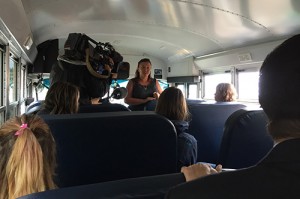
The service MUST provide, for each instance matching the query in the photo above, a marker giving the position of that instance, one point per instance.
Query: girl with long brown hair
(172, 105)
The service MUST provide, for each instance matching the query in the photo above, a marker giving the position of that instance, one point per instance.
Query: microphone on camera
(119, 93)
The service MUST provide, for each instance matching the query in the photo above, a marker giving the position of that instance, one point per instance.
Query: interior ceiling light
(28, 42)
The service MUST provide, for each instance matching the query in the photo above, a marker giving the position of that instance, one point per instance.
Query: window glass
(12, 81)
(211, 82)
(40, 88)
(22, 80)
(2, 113)
(192, 91)
(248, 85)
(40, 91)
(163, 84)
(181, 87)
(1, 79)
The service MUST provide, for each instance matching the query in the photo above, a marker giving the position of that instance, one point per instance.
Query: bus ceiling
(169, 30)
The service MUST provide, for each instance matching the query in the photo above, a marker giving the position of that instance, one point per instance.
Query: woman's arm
(159, 89)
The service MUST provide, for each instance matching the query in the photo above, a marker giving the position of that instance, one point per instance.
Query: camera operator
(90, 68)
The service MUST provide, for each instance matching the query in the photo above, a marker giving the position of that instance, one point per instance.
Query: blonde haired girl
(27, 151)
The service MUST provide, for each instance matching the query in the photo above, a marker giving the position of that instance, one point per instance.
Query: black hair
(279, 81)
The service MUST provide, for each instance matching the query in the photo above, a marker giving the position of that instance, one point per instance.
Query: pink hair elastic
(20, 131)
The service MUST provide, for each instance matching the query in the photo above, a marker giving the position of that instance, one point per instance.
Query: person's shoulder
(181, 125)
(188, 138)
(133, 80)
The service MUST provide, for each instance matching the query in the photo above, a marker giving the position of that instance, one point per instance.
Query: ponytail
(30, 165)
(25, 166)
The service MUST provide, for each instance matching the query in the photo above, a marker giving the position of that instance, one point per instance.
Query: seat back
(107, 107)
(207, 127)
(98, 147)
(195, 101)
(151, 105)
(245, 140)
(143, 187)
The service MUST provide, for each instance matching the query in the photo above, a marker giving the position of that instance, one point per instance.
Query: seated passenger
(277, 175)
(225, 92)
(61, 98)
(172, 105)
(27, 151)
(143, 88)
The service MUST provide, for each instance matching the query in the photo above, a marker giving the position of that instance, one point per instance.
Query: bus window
(192, 91)
(1, 79)
(211, 82)
(42, 92)
(248, 86)
(40, 86)
(181, 87)
(2, 108)
(22, 88)
(12, 81)
(163, 84)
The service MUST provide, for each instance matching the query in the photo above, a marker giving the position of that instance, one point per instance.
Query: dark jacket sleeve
(187, 150)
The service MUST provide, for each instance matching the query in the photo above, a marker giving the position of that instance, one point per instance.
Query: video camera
(97, 55)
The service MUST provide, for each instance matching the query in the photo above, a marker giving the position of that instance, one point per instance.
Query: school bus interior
(192, 44)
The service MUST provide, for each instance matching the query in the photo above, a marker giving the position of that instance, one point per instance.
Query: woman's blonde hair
(225, 92)
(27, 151)
(172, 104)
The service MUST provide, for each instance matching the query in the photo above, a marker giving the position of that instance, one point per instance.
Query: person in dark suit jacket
(278, 174)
